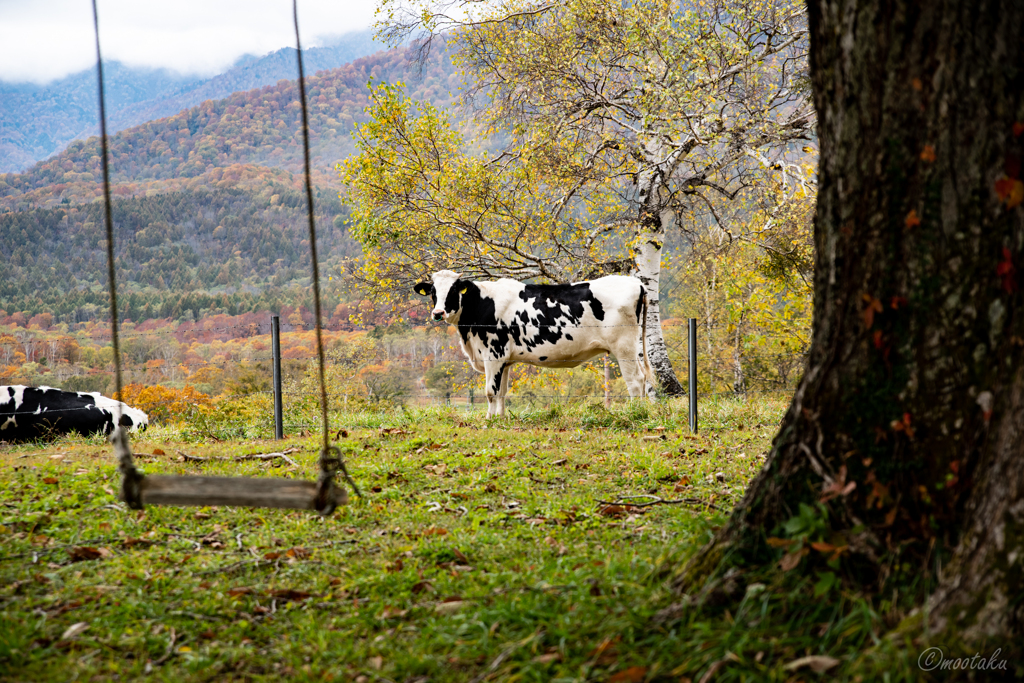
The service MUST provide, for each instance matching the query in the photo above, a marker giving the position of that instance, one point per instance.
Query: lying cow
(28, 413)
(552, 326)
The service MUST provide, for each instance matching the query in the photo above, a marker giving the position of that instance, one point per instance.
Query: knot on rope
(328, 496)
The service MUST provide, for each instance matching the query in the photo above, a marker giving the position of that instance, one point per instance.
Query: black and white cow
(552, 326)
(28, 413)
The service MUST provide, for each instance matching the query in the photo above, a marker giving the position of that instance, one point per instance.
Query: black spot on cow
(543, 357)
(641, 300)
(39, 412)
(497, 378)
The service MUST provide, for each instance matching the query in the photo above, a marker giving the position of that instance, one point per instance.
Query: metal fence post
(275, 333)
(693, 374)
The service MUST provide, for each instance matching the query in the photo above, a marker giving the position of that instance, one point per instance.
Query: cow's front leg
(496, 377)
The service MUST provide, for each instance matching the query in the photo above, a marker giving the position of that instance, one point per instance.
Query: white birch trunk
(650, 244)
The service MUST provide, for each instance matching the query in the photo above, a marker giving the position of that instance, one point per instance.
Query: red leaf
(1010, 191)
(912, 220)
(780, 542)
(928, 154)
(1006, 270)
(823, 547)
(49, 480)
(1018, 128)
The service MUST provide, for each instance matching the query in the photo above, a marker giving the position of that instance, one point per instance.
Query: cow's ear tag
(463, 290)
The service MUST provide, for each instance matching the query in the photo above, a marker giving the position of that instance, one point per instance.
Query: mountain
(208, 204)
(259, 127)
(37, 121)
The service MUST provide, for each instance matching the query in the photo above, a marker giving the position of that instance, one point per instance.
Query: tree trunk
(651, 239)
(908, 425)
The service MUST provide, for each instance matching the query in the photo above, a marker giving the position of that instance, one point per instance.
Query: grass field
(480, 551)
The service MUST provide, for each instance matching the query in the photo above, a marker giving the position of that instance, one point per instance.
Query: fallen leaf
(422, 587)
(435, 531)
(928, 154)
(612, 511)
(460, 556)
(912, 220)
(780, 542)
(83, 553)
(393, 613)
(298, 553)
(606, 645)
(241, 590)
(376, 663)
(818, 663)
(158, 451)
(792, 559)
(50, 480)
(449, 607)
(74, 631)
(634, 674)
(548, 658)
(290, 594)
(682, 483)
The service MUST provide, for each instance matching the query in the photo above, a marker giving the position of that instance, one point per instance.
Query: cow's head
(445, 291)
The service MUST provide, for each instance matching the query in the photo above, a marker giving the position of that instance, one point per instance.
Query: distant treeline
(251, 249)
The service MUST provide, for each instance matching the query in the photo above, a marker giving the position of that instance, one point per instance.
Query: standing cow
(28, 413)
(552, 326)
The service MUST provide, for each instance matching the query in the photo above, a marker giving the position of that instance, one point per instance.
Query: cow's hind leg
(631, 367)
(496, 376)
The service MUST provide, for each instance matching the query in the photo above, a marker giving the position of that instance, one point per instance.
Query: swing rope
(202, 490)
(330, 456)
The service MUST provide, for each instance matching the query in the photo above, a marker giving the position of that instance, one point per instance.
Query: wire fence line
(100, 334)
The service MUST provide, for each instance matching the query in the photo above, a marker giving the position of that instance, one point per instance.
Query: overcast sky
(41, 40)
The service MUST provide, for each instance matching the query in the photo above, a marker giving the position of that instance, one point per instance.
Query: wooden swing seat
(139, 490)
(292, 494)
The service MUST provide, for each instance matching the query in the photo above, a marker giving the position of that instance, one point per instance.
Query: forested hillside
(255, 127)
(230, 242)
(37, 121)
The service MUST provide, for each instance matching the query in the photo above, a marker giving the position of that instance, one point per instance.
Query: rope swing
(138, 489)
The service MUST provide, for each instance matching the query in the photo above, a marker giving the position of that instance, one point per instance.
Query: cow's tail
(645, 365)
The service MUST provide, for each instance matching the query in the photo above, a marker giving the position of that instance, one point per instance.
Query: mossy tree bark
(908, 426)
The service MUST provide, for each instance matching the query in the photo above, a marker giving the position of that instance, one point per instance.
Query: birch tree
(670, 108)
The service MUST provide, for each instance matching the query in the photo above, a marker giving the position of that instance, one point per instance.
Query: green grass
(479, 550)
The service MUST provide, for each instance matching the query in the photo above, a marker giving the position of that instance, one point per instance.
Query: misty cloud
(42, 40)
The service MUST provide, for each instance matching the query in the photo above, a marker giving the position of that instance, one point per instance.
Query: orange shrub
(163, 404)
